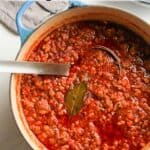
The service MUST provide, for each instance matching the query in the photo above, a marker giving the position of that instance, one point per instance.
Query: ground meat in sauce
(116, 111)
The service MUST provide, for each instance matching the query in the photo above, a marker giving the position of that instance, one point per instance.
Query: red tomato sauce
(116, 110)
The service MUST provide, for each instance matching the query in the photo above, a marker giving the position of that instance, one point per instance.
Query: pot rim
(16, 113)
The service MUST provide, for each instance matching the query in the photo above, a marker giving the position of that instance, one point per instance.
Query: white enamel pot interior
(72, 15)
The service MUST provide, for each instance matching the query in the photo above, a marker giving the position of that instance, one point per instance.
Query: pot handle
(25, 32)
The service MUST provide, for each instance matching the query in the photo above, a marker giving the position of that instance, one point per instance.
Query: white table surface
(10, 137)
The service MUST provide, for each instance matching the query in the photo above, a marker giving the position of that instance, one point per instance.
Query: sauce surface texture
(116, 110)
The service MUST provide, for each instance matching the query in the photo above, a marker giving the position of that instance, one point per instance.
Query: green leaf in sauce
(74, 98)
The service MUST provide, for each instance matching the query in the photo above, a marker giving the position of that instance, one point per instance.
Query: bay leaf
(74, 98)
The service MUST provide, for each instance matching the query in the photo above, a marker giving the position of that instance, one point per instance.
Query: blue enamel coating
(76, 3)
(22, 30)
(26, 32)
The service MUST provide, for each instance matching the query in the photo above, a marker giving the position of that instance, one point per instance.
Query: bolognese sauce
(115, 114)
